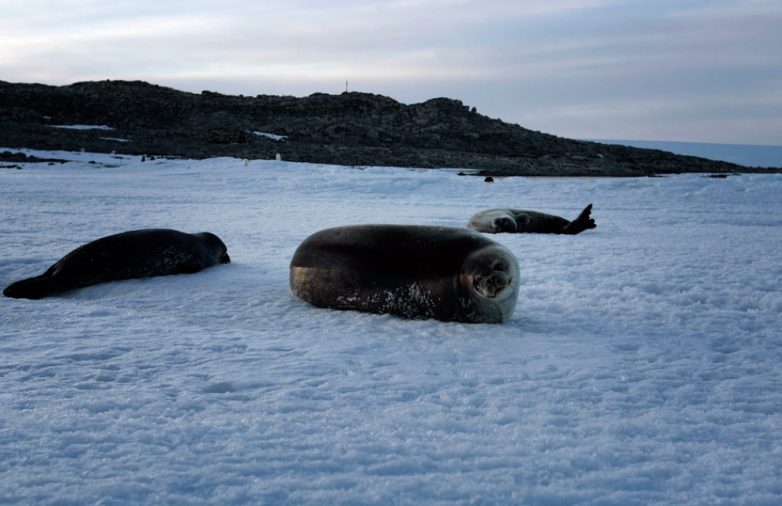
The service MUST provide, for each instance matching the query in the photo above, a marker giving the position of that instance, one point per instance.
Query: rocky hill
(346, 129)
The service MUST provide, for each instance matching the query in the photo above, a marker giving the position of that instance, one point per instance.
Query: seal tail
(31, 288)
(583, 222)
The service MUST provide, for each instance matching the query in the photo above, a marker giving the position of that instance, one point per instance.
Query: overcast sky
(682, 70)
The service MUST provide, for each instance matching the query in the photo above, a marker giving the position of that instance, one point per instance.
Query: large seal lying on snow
(521, 221)
(450, 274)
(134, 254)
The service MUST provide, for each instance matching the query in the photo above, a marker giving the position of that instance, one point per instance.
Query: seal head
(215, 246)
(491, 275)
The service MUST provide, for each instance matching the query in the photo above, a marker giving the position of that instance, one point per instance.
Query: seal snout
(504, 224)
(492, 285)
(224, 258)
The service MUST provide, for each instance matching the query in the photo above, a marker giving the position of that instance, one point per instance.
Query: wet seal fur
(520, 221)
(134, 254)
(446, 273)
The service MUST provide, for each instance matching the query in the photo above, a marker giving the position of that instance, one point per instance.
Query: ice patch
(83, 127)
(271, 136)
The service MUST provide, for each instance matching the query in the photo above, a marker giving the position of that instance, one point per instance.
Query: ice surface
(641, 366)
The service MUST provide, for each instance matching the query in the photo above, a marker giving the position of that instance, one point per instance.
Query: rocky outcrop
(346, 129)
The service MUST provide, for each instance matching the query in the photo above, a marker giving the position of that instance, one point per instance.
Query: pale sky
(677, 70)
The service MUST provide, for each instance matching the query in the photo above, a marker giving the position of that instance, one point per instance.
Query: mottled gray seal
(134, 254)
(522, 221)
(451, 274)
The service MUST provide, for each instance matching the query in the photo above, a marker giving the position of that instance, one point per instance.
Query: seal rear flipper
(191, 265)
(32, 288)
(583, 222)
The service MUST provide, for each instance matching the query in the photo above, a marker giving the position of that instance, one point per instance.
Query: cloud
(520, 60)
(401, 37)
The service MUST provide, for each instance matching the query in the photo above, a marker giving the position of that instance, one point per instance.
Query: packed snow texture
(641, 366)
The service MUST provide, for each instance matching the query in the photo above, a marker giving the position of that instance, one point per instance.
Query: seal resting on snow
(451, 274)
(521, 221)
(134, 254)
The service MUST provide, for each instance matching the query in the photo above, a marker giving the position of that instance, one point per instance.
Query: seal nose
(225, 259)
(492, 285)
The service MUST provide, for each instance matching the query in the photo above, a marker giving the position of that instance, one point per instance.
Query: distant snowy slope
(641, 366)
(743, 154)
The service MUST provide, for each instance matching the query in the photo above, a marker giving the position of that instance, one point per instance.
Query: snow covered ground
(643, 364)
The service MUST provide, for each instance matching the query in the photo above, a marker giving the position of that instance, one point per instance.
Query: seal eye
(499, 267)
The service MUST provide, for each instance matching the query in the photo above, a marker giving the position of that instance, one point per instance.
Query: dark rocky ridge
(346, 129)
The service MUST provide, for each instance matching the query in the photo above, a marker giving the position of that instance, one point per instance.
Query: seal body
(521, 221)
(134, 254)
(450, 274)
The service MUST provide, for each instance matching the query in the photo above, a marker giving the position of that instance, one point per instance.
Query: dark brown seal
(451, 274)
(521, 221)
(134, 254)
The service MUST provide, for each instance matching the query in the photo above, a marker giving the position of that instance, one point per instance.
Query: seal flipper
(583, 222)
(190, 267)
(37, 287)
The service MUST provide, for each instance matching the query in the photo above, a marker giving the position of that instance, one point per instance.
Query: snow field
(641, 365)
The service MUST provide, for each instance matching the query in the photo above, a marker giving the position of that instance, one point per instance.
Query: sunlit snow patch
(83, 127)
(271, 136)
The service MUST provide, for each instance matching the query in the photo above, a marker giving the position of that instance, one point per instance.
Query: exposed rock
(9, 156)
(353, 128)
